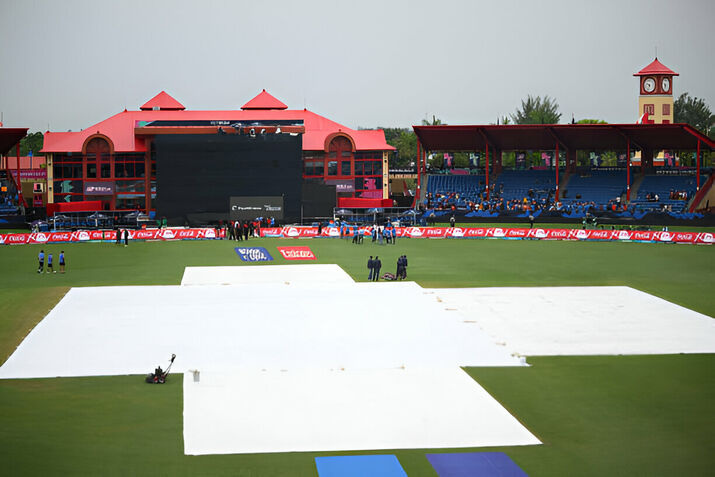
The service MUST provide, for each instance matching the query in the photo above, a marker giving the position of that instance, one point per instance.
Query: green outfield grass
(647, 415)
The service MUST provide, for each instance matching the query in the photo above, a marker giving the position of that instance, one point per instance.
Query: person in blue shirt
(41, 259)
(62, 261)
(49, 263)
(355, 233)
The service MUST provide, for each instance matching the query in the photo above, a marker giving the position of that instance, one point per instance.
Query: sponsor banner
(253, 254)
(108, 235)
(248, 208)
(271, 232)
(342, 185)
(99, 188)
(296, 253)
(402, 232)
(30, 175)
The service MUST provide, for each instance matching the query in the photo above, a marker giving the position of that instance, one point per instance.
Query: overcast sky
(70, 64)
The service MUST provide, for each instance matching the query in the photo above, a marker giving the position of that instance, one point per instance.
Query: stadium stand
(515, 184)
(667, 191)
(530, 192)
(598, 186)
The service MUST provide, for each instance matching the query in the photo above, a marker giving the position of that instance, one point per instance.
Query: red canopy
(592, 137)
(9, 137)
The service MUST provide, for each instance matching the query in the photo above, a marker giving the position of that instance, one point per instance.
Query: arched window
(98, 158)
(340, 156)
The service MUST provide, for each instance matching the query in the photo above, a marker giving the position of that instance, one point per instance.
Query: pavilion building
(115, 160)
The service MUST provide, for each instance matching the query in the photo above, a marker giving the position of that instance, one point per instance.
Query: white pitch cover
(319, 410)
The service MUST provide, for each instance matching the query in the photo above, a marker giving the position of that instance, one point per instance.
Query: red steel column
(487, 154)
(556, 162)
(697, 173)
(419, 175)
(147, 174)
(19, 182)
(628, 170)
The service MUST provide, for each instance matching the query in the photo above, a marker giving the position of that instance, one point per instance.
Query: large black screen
(197, 174)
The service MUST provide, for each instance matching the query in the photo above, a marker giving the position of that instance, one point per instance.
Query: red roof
(575, 136)
(264, 101)
(164, 102)
(656, 68)
(26, 162)
(120, 129)
(9, 137)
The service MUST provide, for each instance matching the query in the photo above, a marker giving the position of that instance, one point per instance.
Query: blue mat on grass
(359, 466)
(475, 464)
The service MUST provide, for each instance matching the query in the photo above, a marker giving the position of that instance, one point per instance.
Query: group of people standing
(122, 234)
(241, 229)
(388, 233)
(374, 266)
(41, 259)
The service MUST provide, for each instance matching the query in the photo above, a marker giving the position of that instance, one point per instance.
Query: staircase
(636, 186)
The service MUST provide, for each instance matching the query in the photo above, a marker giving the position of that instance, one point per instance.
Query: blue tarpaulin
(359, 466)
(475, 464)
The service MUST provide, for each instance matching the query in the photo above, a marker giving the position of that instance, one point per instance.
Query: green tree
(435, 121)
(405, 143)
(32, 142)
(693, 111)
(536, 110)
(591, 121)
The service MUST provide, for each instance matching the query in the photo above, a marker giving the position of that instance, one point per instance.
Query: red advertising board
(506, 233)
(109, 235)
(402, 232)
(296, 253)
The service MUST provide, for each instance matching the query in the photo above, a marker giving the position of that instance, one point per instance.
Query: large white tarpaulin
(309, 410)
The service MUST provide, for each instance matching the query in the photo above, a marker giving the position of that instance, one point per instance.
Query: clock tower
(656, 93)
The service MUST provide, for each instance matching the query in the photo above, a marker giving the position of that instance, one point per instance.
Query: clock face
(665, 84)
(649, 85)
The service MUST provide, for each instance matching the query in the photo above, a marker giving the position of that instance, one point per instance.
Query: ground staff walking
(62, 261)
(370, 266)
(49, 263)
(41, 260)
